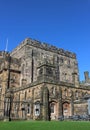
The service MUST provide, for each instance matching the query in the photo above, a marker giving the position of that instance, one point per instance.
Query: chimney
(86, 75)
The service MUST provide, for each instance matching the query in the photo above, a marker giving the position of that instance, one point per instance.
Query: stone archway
(66, 109)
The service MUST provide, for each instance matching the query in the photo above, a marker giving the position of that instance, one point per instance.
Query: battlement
(44, 46)
(3, 53)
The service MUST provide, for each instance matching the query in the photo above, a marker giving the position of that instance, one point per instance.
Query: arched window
(37, 108)
(28, 108)
(66, 109)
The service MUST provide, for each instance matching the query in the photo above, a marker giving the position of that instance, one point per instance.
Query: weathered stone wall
(32, 53)
(40, 81)
(81, 108)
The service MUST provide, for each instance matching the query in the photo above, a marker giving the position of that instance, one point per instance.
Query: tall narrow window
(53, 91)
(65, 76)
(23, 68)
(28, 109)
(76, 94)
(65, 93)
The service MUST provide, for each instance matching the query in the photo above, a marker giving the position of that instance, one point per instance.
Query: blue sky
(63, 23)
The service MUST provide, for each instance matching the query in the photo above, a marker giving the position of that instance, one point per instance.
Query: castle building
(41, 82)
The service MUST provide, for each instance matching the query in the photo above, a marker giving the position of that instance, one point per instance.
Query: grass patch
(42, 125)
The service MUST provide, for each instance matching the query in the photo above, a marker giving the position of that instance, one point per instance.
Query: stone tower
(41, 82)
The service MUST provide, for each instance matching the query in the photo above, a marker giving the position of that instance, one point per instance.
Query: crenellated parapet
(44, 46)
(4, 54)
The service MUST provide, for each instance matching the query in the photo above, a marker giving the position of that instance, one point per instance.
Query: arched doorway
(66, 109)
(53, 110)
